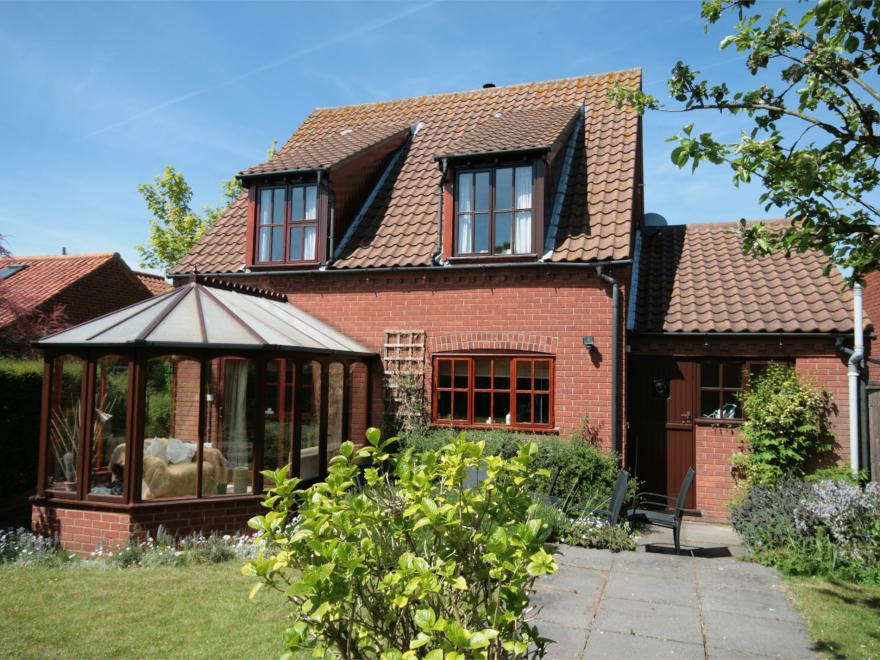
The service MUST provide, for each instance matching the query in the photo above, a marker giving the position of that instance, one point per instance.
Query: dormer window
(494, 211)
(287, 224)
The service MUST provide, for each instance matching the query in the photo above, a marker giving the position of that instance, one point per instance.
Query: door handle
(686, 417)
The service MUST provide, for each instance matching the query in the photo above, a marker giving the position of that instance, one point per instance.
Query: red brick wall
(83, 531)
(547, 310)
(871, 299)
(815, 359)
(106, 289)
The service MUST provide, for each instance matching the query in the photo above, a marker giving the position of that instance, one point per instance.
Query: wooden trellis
(403, 356)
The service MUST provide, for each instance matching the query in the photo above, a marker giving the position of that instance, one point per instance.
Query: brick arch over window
(481, 341)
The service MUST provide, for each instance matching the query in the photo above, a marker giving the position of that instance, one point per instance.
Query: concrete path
(650, 605)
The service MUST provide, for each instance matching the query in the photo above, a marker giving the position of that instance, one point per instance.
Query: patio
(652, 605)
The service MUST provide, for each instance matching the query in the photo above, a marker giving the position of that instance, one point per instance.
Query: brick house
(75, 287)
(494, 244)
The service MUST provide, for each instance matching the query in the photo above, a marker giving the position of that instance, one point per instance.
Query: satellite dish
(654, 220)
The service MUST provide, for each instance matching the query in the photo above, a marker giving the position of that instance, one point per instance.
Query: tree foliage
(175, 228)
(813, 141)
(417, 562)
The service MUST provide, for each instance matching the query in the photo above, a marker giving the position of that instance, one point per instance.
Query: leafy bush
(20, 394)
(786, 425)
(596, 533)
(580, 463)
(21, 547)
(414, 563)
(826, 528)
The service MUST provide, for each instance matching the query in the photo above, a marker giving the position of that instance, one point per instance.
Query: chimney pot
(488, 85)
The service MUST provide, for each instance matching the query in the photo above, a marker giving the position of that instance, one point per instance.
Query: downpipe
(437, 258)
(854, 373)
(615, 357)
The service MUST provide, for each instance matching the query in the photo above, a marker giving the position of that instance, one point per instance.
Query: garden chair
(549, 497)
(654, 511)
(610, 509)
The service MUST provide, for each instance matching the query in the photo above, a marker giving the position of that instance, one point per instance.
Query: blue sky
(99, 97)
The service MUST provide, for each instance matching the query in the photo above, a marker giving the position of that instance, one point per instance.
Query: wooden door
(660, 446)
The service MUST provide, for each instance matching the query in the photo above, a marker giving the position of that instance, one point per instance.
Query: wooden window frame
(289, 224)
(746, 366)
(536, 210)
(513, 391)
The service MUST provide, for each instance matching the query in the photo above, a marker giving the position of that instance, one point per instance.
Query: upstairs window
(494, 211)
(287, 224)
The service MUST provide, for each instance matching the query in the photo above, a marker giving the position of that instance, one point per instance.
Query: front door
(660, 441)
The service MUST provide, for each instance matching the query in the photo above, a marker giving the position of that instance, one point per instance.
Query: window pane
(482, 408)
(542, 375)
(732, 374)
(461, 374)
(503, 236)
(335, 398)
(709, 401)
(709, 373)
(278, 415)
(504, 189)
(465, 245)
(523, 408)
(523, 187)
(481, 240)
(310, 243)
(278, 206)
(444, 405)
(460, 406)
(501, 411)
(482, 373)
(523, 232)
(296, 204)
(229, 445)
(278, 244)
(310, 422)
(730, 406)
(311, 203)
(481, 201)
(542, 409)
(502, 374)
(524, 375)
(65, 422)
(265, 206)
(109, 431)
(171, 430)
(444, 377)
(465, 192)
(264, 253)
(295, 252)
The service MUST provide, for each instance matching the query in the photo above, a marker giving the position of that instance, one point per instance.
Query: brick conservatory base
(85, 529)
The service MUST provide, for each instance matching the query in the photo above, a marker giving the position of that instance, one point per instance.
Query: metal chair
(653, 512)
(610, 509)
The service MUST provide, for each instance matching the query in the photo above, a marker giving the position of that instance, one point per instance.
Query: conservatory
(165, 412)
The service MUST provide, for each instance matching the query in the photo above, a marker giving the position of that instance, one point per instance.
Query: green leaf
(425, 618)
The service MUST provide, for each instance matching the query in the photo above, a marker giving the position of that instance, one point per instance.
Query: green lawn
(201, 611)
(844, 619)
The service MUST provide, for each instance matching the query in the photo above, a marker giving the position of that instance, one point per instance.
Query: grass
(200, 611)
(844, 619)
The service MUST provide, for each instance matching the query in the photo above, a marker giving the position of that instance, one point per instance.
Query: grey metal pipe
(615, 357)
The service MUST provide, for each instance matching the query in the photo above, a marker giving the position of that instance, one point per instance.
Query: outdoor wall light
(589, 343)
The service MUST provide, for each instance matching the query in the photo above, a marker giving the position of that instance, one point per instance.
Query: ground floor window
(721, 382)
(493, 390)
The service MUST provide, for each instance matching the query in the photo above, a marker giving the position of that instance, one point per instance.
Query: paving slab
(616, 646)
(663, 621)
(755, 635)
(598, 560)
(567, 642)
(653, 588)
(766, 603)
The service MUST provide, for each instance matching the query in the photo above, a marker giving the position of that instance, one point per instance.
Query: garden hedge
(20, 391)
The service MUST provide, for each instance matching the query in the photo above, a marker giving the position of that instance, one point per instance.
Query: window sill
(492, 258)
(291, 265)
(464, 426)
(711, 421)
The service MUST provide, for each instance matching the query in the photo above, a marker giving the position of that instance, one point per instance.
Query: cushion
(179, 451)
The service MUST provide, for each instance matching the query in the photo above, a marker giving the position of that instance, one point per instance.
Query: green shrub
(786, 425)
(595, 533)
(414, 564)
(21, 384)
(580, 463)
(765, 516)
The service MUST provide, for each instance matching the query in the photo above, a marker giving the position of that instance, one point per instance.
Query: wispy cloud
(366, 28)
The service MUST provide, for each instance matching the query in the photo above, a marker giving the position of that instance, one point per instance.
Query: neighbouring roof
(205, 316)
(44, 277)
(156, 284)
(534, 129)
(400, 228)
(329, 150)
(695, 278)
